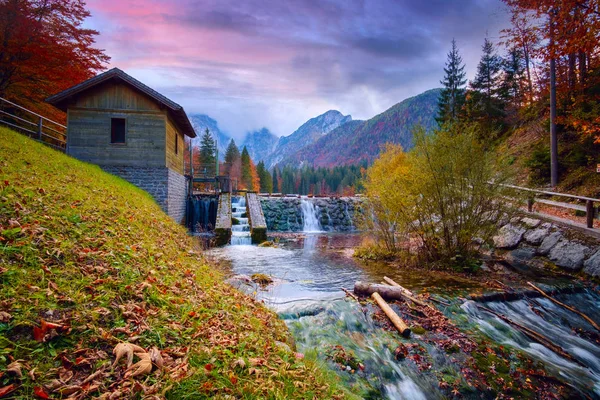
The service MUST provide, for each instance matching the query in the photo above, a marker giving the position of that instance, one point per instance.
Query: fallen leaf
(238, 363)
(15, 369)
(142, 367)
(5, 317)
(208, 367)
(40, 392)
(156, 358)
(7, 389)
(126, 349)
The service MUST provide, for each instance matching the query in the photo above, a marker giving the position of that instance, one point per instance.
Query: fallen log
(396, 320)
(387, 292)
(552, 299)
(522, 294)
(408, 294)
(533, 335)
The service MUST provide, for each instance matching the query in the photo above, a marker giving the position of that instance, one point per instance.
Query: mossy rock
(235, 221)
(262, 279)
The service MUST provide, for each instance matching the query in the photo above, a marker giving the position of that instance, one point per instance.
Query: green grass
(96, 255)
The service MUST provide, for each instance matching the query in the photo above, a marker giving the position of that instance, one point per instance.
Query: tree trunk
(582, 68)
(387, 292)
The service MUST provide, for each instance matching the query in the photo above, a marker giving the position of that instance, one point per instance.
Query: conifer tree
(275, 180)
(452, 97)
(232, 153)
(486, 106)
(513, 79)
(266, 182)
(207, 154)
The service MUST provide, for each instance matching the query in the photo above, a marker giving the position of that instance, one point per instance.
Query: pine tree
(487, 106)
(513, 80)
(452, 97)
(266, 182)
(275, 180)
(232, 153)
(250, 178)
(207, 154)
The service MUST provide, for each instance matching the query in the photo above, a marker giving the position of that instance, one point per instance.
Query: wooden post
(40, 125)
(530, 204)
(589, 213)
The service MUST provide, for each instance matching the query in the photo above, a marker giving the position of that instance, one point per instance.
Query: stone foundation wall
(167, 187)
(177, 195)
(527, 242)
(284, 214)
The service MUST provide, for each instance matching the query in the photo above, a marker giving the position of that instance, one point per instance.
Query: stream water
(309, 271)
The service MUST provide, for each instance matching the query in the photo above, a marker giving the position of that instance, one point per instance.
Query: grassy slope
(87, 250)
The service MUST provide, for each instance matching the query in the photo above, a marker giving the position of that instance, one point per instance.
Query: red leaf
(208, 367)
(7, 389)
(40, 392)
(38, 334)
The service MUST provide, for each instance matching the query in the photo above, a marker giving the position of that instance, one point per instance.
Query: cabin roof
(177, 113)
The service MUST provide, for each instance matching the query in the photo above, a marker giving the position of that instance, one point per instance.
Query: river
(309, 271)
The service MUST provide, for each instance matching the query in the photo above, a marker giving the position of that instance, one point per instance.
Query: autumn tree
(452, 97)
(45, 49)
(250, 179)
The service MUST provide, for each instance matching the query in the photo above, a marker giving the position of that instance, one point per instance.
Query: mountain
(260, 144)
(200, 122)
(311, 131)
(362, 140)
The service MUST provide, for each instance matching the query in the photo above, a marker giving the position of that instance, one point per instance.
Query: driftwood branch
(391, 314)
(407, 293)
(387, 292)
(533, 335)
(349, 293)
(552, 299)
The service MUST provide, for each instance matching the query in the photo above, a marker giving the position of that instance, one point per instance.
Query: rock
(592, 265)
(536, 236)
(548, 243)
(531, 222)
(569, 255)
(508, 236)
(520, 259)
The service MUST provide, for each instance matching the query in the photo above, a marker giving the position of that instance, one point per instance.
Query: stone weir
(223, 224)
(287, 214)
(256, 218)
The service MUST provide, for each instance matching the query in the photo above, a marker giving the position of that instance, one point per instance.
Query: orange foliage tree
(569, 32)
(44, 49)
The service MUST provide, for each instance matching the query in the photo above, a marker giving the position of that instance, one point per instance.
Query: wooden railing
(589, 208)
(32, 124)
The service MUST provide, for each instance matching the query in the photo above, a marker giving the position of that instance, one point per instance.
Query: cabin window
(176, 145)
(117, 130)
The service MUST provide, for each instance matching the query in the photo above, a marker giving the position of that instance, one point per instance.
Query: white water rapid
(240, 233)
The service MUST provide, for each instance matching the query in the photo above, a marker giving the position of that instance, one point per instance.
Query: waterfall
(201, 213)
(240, 233)
(309, 215)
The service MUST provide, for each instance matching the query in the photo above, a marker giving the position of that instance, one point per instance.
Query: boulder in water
(509, 236)
(592, 265)
(521, 258)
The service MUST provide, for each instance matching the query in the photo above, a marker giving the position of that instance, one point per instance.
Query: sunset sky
(277, 63)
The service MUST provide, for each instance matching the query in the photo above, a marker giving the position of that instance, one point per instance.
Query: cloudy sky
(277, 63)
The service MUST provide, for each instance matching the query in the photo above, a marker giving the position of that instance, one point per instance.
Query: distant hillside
(308, 133)
(200, 122)
(260, 144)
(362, 140)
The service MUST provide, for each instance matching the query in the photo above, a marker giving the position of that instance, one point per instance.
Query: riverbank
(457, 351)
(92, 270)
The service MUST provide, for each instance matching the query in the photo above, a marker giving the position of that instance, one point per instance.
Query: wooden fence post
(40, 125)
(589, 213)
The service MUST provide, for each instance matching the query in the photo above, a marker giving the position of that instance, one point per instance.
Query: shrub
(440, 193)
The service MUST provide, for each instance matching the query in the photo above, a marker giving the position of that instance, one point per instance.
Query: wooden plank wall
(174, 161)
(146, 124)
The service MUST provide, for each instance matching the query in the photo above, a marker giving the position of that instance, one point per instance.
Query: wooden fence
(587, 204)
(33, 125)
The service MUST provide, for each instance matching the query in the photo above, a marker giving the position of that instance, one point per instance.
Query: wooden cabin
(132, 131)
